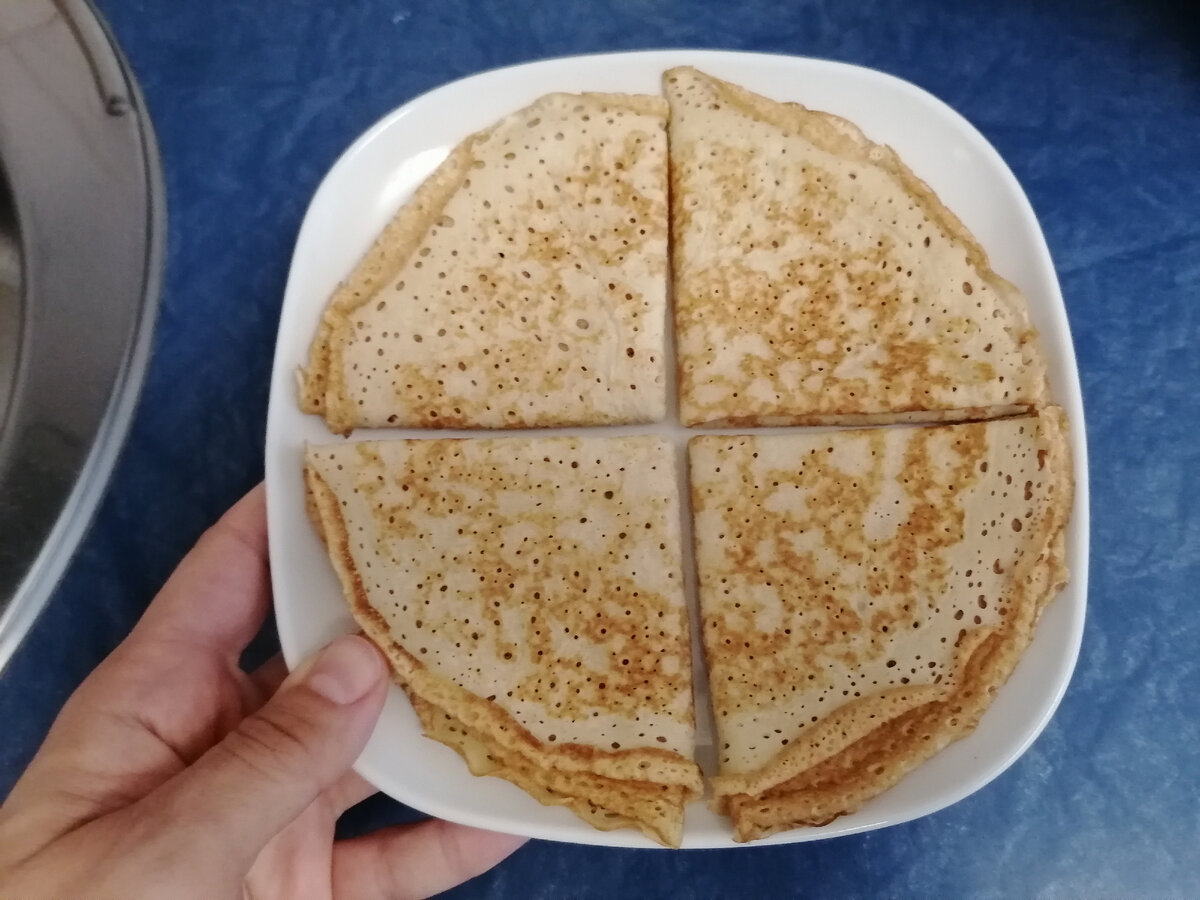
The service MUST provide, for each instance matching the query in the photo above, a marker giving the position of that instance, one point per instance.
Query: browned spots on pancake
(841, 572)
(635, 646)
(531, 566)
(515, 300)
(801, 315)
(904, 573)
(816, 276)
(603, 802)
(916, 569)
(921, 557)
(840, 784)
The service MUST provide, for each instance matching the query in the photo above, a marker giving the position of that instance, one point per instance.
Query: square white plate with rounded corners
(379, 172)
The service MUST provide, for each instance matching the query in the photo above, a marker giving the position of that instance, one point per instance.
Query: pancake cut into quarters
(528, 593)
(524, 285)
(817, 280)
(864, 593)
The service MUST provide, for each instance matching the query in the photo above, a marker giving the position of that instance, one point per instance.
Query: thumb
(268, 770)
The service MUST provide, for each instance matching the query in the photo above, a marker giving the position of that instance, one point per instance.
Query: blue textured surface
(1097, 109)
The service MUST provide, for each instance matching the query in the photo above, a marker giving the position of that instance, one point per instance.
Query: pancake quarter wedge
(818, 281)
(528, 594)
(863, 594)
(523, 285)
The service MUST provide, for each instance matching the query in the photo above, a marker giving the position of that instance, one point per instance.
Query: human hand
(170, 772)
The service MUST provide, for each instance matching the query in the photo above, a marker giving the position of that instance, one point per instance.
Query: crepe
(528, 594)
(523, 285)
(604, 803)
(864, 593)
(818, 281)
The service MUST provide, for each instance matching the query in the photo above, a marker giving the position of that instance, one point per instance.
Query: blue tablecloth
(1095, 106)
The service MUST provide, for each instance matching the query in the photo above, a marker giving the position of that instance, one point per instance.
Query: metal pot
(82, 222)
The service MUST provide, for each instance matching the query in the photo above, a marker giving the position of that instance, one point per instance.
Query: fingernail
(346, 670)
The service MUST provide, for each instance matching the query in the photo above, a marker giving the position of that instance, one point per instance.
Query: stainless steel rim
(98, 260)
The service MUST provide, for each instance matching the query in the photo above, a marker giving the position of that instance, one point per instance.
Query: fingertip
(346, 670)
(247, 519)
(481, 844)
(418, 860)
(502, 840)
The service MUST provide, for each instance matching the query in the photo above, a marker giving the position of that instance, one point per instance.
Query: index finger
(411, 861)
(219, 595)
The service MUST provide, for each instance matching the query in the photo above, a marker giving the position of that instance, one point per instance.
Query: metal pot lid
(82, 222)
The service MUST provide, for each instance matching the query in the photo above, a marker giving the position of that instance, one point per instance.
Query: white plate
(380, 171)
